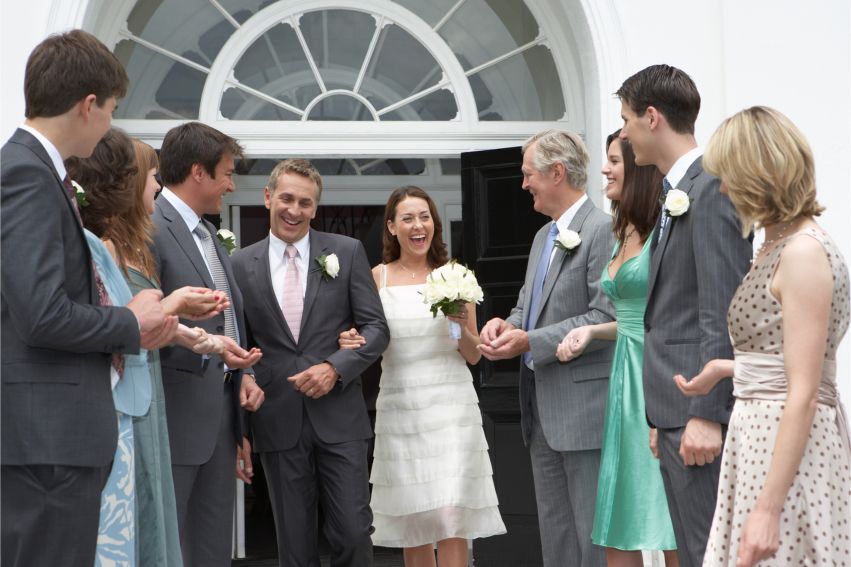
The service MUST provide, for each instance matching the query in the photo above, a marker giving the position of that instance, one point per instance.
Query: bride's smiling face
(413, 227)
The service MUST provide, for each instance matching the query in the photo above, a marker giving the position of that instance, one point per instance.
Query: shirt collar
(189, 216)
(278, 246)
(680, 167)
(51, 150)
(566, 218)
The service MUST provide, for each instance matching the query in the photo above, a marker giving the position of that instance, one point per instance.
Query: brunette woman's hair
(134, 240)
(639, 203)
(437, 255)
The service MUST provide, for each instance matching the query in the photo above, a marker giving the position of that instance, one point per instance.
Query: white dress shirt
(680, 167)
(190, 218)
(278, 263)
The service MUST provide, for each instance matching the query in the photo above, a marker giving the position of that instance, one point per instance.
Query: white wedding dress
(431, 475)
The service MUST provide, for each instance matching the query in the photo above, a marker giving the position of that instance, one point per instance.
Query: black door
(499, 225)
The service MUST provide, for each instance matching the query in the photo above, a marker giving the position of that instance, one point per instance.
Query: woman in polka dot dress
(784, 495)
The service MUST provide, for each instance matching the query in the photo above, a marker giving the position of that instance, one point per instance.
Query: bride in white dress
(431, 474)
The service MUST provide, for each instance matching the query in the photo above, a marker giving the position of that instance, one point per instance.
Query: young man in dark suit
(699, 258)
(59, 430)
(204, 395)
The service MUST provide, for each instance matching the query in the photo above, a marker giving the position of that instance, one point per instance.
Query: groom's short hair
(66, 68)
(299, 167)
(667, 89)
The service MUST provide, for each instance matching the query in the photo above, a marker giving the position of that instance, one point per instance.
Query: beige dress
(815, 524)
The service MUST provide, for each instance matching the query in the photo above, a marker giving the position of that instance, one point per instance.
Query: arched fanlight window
(247, 66)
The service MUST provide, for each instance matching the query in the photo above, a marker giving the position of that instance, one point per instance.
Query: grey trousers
(205, 495)
(332, 475)
(566, 492)
(691, 492)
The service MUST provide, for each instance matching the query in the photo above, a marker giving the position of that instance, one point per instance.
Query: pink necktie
(293, 300)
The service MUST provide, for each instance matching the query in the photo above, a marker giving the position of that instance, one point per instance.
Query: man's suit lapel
(261, 277)
(318, 247)
(185, 240)
(25, 138)
(561, 257)
(686, 184)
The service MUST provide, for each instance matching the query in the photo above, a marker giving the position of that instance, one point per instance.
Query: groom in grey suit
(59, 430)
(561, 404)
(698, 259)
(204, 395)
(302, 289)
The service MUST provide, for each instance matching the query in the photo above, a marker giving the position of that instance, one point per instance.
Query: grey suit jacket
(694, 271)
(56, 397)
(571, 396)
(193, 387)
(331, 305)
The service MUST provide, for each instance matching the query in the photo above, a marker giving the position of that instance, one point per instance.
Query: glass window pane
(523, 87)
(401, 65)
(276, 65)
(191, 28)
(450, 166)
(393, 166)
(431, 11)
(241, 10)
(509, 24)
(338, 40)
(239, 105)
(439, 105)
(342, 108)
(160, 87)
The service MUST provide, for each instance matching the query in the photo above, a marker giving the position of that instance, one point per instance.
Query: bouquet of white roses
(448, 288)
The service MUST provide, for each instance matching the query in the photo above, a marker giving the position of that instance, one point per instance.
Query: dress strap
(383, 275)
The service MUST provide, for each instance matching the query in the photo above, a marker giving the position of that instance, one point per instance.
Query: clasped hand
(501, 340)
(316, 381)
(573, 344)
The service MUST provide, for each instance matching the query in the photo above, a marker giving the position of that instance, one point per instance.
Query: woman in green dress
(632, 511)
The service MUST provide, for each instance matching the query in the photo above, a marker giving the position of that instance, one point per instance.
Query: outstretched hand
(713, 372)
(237, 357)
(195, 303)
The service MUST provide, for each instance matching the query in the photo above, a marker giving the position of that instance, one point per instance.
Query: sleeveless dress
(815, 524)
(632, 509)
(157, 538)
(431, 475)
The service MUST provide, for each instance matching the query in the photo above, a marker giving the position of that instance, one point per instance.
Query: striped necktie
(219, 277)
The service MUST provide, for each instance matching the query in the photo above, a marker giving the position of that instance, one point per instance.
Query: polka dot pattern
(815, 524)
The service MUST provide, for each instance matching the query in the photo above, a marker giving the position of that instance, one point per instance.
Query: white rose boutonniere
(677, 203)
(80, 195)
(568, 240)
(329, 264)
(228, 239)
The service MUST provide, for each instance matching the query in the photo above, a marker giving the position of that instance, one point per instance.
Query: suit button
(646, 327)
(220, 329)
(298, 352)
(221, 364)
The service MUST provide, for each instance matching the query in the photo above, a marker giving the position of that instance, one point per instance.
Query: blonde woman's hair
(560, 146)
(766, 165)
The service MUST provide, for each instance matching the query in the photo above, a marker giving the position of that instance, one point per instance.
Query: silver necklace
(413, 274)
(781, 233)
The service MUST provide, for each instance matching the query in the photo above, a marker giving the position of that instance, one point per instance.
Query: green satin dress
(157, 537)
(632, 510)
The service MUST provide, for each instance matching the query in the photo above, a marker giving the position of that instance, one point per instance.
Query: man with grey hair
(561, 404)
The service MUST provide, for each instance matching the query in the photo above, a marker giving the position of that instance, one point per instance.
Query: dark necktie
(664, 218)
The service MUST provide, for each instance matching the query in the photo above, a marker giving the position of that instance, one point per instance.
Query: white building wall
(795, 56)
